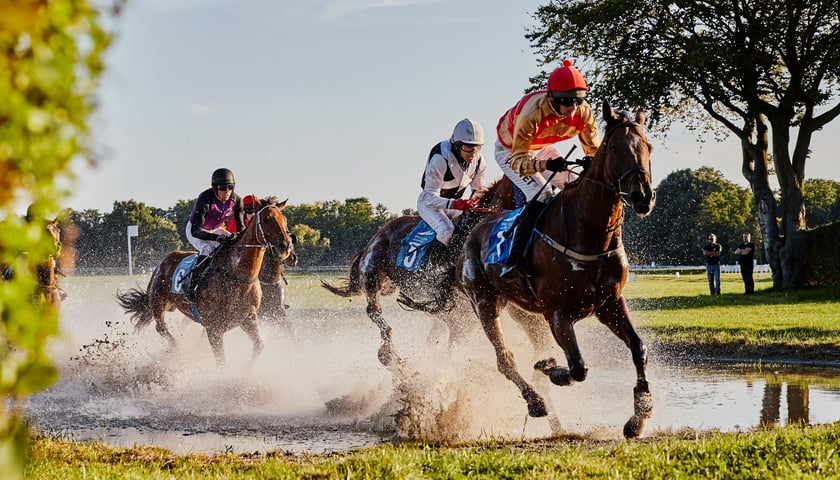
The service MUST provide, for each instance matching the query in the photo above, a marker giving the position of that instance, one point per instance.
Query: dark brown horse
(577, 265)
(374, 271)
(273, 282)
(233, 293)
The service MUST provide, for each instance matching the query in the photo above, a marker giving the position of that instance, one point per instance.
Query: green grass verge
(680, 318)
(789, 452)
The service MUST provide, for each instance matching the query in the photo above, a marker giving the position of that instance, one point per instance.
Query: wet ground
(318, 386)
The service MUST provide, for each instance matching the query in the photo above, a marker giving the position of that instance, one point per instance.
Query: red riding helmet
(249, 203)
(566, 81)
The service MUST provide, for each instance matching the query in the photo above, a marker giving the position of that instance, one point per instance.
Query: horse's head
(623, 159)
(273, 231)
(55, 232)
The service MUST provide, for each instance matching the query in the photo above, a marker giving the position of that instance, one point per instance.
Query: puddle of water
(319, 387)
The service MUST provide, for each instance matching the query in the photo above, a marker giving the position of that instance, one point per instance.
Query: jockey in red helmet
(526, 135)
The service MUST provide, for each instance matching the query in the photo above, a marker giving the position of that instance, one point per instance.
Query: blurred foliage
(50, 60)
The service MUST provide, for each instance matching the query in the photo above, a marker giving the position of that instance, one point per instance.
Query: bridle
(616, 186)
(262, 239)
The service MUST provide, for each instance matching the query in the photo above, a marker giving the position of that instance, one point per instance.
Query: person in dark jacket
(206, 230)
(746, 254)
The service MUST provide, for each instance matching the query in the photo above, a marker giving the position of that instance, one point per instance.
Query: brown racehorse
(374, 271)
(577, 265)
(233, 293)
(47, 272)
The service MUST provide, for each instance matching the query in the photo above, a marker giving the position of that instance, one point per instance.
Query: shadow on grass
(760, 297)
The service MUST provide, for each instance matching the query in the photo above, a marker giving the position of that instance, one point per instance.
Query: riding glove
(461, 204)
(555, 165)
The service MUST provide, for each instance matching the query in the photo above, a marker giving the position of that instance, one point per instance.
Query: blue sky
(321, 99)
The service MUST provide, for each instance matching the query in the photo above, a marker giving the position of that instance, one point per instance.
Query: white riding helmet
(468, 132)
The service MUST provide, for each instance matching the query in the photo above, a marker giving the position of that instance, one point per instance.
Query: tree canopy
(762, 71)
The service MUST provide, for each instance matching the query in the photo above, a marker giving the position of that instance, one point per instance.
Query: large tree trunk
(754, 165)
(792, 184)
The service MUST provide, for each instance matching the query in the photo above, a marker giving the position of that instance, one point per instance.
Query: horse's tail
(353, 286)
(136, 302)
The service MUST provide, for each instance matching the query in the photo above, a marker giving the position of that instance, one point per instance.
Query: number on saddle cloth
(412, 254)
(181, 277)
(499, 242)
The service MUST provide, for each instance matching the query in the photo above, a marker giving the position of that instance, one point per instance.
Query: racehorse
(273, 282)
(577, 265)
(374, 270)
(47, 271)
(233, 293)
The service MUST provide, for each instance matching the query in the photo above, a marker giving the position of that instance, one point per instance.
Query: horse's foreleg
(507, 365)
(251, 328)
(616, 317)
(216, 340)
(564, 335)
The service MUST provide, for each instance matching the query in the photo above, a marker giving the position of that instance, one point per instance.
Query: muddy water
(318, 386)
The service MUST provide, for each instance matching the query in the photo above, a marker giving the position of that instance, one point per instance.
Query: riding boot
(521, 236)
(196, 273)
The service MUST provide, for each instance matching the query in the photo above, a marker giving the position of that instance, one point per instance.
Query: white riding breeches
(440, 220)
(530, 185)
(204, 247)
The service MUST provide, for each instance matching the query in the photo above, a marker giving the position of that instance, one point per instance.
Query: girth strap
(579, 256)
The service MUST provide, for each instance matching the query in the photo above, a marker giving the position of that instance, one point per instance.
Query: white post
(131, 232)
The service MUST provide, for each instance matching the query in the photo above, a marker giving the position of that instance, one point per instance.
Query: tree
(749, 68)
(690, 205)
(822, 201)
(50, 62)
(157, 234)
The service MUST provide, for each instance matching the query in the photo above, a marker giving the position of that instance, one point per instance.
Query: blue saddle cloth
(181, 277)
(412, 253)
(499, 245)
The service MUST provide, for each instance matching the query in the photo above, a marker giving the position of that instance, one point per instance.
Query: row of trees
(328, 233)
(690, 204)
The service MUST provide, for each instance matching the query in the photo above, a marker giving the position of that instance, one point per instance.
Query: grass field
(672, 313)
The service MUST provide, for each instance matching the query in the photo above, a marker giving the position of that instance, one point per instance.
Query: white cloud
(340, 8)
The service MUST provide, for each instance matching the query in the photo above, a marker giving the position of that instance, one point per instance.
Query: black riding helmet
(222, 176)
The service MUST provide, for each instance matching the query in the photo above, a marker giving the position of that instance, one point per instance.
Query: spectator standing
(746, 255)
(712, 252)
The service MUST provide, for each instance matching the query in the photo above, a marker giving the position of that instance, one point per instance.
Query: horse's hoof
(536, 408)
(560, 376)
(545, 365)
(386, 356)
(634, 427)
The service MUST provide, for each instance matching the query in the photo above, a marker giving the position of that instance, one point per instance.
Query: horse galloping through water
(374, 271)
(233, 293)
(577, 265)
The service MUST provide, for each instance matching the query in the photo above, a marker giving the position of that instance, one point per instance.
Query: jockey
(525, 145)
(453, 165)
(249, 209)
(206, 226)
